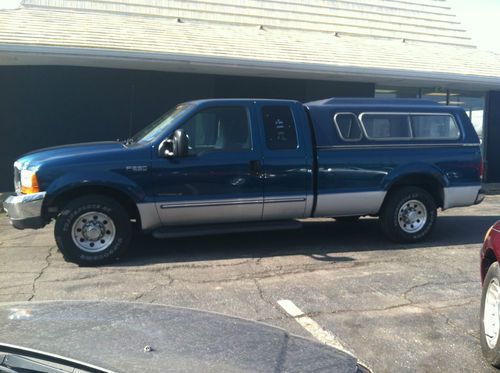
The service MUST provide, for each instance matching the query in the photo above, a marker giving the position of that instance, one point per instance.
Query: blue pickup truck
(213, 166)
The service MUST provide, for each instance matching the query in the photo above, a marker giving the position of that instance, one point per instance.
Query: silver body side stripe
(349, 204)
(460, 196)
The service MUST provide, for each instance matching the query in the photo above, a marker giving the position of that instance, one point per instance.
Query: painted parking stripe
(322, 335)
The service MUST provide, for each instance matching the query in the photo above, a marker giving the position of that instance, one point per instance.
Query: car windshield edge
(157, 127)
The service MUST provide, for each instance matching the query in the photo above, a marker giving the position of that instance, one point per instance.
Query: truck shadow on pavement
(321, 240)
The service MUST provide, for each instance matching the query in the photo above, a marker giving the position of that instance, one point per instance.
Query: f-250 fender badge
(136, 168)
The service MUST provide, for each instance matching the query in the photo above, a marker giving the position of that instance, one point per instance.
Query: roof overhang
(29, 55)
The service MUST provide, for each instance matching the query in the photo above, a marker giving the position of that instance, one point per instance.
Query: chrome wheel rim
(93, 232)
(412, 216)
(491, 320)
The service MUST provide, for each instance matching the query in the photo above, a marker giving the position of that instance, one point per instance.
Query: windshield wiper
(128, 141)
(11, 363)
(4, 369)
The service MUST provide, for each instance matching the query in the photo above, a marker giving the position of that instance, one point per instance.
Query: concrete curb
(491, 188)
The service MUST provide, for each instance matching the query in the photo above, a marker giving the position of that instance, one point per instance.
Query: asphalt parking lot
(397, 307)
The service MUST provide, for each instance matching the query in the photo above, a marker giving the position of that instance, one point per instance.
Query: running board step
(213, 229)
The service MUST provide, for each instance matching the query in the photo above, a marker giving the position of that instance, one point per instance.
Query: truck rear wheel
(408, 215)
(92, 230)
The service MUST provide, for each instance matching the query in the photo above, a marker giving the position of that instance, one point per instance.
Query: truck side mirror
(182, 143)
(174, 146)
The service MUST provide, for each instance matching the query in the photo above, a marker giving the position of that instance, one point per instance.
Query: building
(83, 70)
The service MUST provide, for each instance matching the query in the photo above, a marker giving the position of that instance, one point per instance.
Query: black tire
(104, 206)
(491, 354)
(390, 220)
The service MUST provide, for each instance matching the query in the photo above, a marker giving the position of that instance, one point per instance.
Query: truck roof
(352, 104)
(338, 102)
(341, 101)
(241, 99)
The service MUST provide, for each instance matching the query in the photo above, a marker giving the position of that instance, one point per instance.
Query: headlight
(29, 182)
(488, 233)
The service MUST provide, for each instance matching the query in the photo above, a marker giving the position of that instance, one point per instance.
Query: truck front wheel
(408, 215)
(92, 230)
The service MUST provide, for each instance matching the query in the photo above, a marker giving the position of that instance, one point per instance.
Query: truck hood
(37, 157)
(138, 337)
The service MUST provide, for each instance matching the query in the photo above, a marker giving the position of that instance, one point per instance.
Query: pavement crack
(265, 300)
(40, 274)
(452, 324)
(271, 319)
(22, 236)
(380, 309)
(275, 272)
(260, 291)
(169, 277)
(405, 295)
(410, 289)
(143, 294)
(469, 302)
(154, 287)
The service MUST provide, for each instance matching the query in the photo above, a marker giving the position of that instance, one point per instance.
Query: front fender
(106, 179)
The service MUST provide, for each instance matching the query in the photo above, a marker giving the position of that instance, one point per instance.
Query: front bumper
(25, 211)
(480, 197)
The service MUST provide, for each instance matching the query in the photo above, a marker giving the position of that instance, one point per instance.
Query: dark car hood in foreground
(113, 335)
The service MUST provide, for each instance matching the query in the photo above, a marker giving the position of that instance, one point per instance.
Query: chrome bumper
(25, 211)
(480, 197)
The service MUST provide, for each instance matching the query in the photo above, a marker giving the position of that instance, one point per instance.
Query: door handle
(255, 167)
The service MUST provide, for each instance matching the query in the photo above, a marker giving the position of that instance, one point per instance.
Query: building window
(473, 104)
(438, 95)
(396, 92)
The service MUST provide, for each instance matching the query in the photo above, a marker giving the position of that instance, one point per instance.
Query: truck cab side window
(279, 128)
(219, 129)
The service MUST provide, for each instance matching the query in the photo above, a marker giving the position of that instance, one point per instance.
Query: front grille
(17, 180)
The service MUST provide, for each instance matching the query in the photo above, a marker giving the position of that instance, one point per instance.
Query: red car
(490, 299)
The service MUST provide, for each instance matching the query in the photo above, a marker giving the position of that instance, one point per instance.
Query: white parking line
(322, 335)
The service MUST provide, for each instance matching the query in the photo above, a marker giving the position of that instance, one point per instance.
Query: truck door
(287, 160)
(219, 181)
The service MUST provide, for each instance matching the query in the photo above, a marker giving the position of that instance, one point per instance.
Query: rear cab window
(279, 127)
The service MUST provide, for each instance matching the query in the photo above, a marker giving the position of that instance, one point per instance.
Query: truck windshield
(161, 124)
